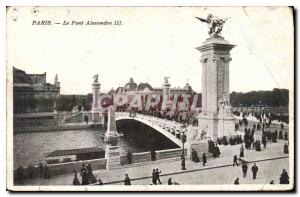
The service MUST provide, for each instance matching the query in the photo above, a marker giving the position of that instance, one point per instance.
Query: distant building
(32, 93)
(145, 89)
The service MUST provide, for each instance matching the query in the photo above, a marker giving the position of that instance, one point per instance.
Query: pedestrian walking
(75, 179)
(254, 170)
(157, 175)
(244, 169)
(235, 161)
(204, 159)
(286, 149)
(129, 157)
(127, 180)
(154, 179)
(242, 151)
(264, 142)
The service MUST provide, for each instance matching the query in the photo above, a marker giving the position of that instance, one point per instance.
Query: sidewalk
(140, 171)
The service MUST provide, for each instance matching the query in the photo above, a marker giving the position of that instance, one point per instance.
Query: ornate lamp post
(183, 140)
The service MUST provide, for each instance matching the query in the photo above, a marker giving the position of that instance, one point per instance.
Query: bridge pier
(112, 152)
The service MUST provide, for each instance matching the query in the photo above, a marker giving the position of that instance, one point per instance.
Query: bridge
(171, 129)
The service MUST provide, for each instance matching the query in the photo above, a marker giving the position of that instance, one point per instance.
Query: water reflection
(32, 148)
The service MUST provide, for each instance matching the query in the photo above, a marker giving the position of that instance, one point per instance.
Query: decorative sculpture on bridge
(166, 80)
(197, 135)
(95, 77)
(215, 24)
(223, 105)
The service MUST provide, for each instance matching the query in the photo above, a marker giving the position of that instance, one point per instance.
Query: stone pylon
(96, 93)
(112, 152)
(216, 118)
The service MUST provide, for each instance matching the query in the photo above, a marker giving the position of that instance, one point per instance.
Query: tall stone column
(96, 93)
(112, 152)
(215, 116)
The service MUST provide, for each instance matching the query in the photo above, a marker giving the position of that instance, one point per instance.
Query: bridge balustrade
(170, 153)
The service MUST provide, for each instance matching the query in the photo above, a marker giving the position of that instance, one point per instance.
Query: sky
(151, 43)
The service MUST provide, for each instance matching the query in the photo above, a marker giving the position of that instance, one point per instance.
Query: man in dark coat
(157, 175)
(204, 159)
(193, 155)
(285, 136)
(254, 170)
(286, 149)
(264, 142)
(129, 157)
(127, 180)
(216, 151)
(280, 135)
(235, 161)
(154, 178)
(242, 151)
(153, 155)
(244, 169)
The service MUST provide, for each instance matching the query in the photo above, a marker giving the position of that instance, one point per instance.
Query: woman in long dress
(84, 175)
(91, 176)
(75, 179)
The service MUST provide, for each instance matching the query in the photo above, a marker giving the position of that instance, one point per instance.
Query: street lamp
(183, 140)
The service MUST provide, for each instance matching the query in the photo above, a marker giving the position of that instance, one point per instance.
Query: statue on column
(166, 80)
(215, 24)
(95, 77)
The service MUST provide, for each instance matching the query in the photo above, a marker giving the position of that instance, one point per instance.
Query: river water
(32, 148)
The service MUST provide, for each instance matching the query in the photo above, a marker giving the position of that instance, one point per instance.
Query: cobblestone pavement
(171, 168)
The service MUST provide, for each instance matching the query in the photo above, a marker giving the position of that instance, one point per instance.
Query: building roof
(142, 86)
(119, 90)
(111, 91)
(20, 76)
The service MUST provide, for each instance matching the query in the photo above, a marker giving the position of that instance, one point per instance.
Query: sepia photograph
(188, 98)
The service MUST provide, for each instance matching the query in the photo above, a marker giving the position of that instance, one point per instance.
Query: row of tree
(274, 98)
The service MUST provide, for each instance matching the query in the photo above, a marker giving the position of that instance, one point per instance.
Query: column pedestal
(112, 154)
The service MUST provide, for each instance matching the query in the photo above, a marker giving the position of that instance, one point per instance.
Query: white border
(111, 3)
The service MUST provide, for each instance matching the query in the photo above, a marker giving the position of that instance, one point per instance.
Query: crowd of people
(283, 179)
(214, 149)
(87, 176)
(31, 172)
(187, 118)
(195, 157)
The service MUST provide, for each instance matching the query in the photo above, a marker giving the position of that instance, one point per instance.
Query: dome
(188, 87)
(131, 85)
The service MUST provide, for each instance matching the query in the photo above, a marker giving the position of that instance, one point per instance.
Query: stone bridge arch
(158, 125)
